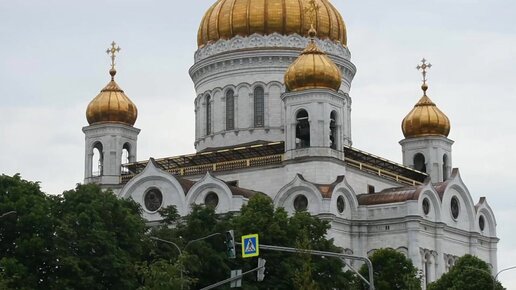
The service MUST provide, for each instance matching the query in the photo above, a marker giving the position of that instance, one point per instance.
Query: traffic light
(261, 272)
(230, 244)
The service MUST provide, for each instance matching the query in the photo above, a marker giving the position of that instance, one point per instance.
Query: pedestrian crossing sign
(250, 246)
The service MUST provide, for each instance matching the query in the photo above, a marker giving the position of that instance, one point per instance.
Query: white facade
(243, 64)
(241, 105)
(110, 141)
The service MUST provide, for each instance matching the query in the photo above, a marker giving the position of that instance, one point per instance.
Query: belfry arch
(97, 160)
(302, 129)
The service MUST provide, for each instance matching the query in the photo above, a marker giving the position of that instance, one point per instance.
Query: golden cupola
(112, 104)
(313, 69)
(425, 119)
(228, 18)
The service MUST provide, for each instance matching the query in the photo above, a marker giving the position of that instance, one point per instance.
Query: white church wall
(360, 181)
(155, 178)
(206, 185)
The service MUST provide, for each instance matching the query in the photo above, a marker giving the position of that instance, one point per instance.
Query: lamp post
(181, 251)
(495, 277)
(7, 213)
(500, 272)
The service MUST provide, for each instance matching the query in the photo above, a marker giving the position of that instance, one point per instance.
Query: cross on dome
(112, 51)
(423, 67)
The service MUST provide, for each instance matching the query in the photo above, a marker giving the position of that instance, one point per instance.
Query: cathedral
(273, 116)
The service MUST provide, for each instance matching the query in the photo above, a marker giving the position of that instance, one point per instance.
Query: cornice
(274, 40)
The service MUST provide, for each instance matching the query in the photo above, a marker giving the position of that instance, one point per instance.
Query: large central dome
(228, 18)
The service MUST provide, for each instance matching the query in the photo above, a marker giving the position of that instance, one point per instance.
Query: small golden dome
(228, 18)
(112, 105)
(425, 119)
(313, 69)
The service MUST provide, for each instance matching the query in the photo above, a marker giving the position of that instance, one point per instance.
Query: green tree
(207, 260)
(204, 261)
(303, 280)
(275, 227)
(391, 270)
(99, 240)
(163, 275)
(26, 236)
(468, 273)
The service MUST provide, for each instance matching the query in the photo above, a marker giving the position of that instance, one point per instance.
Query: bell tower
(317, 113)
(426, 146)
(111, 138)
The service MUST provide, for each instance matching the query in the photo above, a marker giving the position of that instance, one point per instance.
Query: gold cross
(423, 67)
(311, 11)
(113, 50)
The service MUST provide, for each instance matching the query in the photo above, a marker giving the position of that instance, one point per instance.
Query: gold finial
(311, 13)
(112, 51)
(423, 67)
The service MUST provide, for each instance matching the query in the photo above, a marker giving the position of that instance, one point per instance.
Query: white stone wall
(433, 148)
(113, 137)
(319, 104)
(242, 64)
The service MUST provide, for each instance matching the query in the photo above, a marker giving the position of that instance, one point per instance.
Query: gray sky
(53, 62)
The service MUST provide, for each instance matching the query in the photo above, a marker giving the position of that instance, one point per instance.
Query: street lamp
(500, 272)
(181, 251)
(495, 277)
(180, 256)
(7, 213)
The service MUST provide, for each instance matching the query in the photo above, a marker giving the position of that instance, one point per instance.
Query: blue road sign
(250, 246)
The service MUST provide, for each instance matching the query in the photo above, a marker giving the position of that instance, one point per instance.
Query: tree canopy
(86, 238)
(208, 262)
(26, 235)
(468, 273)
(391, 271)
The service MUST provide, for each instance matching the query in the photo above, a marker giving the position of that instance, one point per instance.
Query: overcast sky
(53, 62)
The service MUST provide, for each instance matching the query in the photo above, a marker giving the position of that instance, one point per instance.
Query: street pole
(327, 254)
(180, 256)
(495, 277)
(181, 252)
(231, 279)
(500, 272)
(7, 213)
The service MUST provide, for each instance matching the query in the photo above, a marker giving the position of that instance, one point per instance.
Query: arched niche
(153, 178)
(296, 188)
(201, 191)
(429, 205)
(344, 191)
(457, 195)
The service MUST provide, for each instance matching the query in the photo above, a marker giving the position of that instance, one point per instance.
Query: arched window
(230, 110)
(97, 162)
(333, 130)
(208, 115)
(419, 162)
(125, 158)
(302, 130)
(445, 167)
(259, 107)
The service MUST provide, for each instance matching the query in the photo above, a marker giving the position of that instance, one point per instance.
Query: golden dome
(313, 69)
(112, 105)
(228, 18)
(425, 119)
